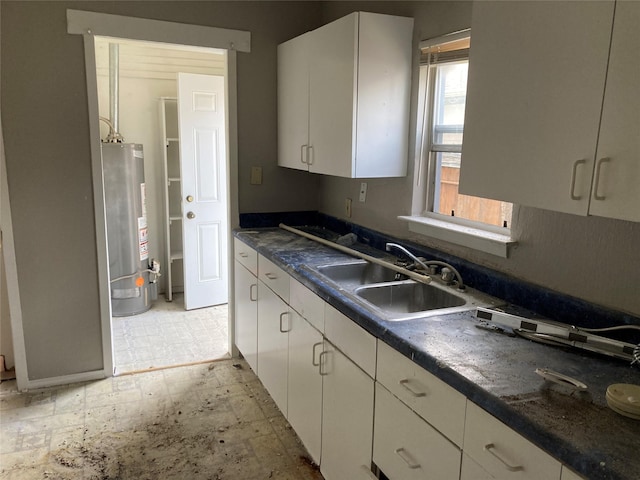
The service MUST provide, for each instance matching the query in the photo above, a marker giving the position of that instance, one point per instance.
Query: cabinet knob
(189, 198)
(191, 215)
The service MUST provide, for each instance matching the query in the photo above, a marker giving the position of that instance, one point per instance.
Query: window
(442, 95)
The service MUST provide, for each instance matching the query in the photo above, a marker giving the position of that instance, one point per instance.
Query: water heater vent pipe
(114, 94)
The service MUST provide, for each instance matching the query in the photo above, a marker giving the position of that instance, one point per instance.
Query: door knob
(191, 215)
(189, 198)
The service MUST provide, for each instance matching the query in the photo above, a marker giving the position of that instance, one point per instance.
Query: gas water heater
(132, 274)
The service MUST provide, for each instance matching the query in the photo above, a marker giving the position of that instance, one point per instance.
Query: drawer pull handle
(596, 182)
(313, 354)
(367, 471)
(404, 455)
(271, 276)
(415, 393)
(490, 447)
(321, 363)
(574, 172)
(243, 254)
(252, 297)
(310, 157)
(282, 330)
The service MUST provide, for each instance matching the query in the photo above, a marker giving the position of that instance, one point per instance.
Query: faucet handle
(447, 275)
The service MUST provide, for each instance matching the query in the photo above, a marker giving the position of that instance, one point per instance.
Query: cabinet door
(293, 102)
(616, 187)
(332, 83)
(246, 315)
(405, 447)
(534, 96)
(305, 384)
(383, 93)
(274, 322)
(347, 417)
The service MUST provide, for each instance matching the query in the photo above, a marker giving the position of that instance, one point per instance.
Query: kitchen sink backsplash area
(534, 300)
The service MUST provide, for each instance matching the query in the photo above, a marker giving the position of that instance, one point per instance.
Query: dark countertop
(493, 370)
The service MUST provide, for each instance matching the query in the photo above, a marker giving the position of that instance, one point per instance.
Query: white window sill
(483, 240)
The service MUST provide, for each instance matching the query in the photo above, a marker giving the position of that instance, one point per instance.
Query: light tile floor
(169, 335)
(207, 421)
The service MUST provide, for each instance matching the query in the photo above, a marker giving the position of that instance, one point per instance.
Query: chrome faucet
(389, 246)
(425, 265)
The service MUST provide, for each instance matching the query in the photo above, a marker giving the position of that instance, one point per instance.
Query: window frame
(423, 220)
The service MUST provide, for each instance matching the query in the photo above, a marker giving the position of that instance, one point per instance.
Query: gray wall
(44, 115)
(592, 258)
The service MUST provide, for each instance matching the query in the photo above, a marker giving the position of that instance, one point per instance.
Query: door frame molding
(89, 24)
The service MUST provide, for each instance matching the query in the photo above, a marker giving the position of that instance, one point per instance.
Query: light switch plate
(256, 176)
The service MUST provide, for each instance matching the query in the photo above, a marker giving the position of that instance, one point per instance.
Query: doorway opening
(171, 100)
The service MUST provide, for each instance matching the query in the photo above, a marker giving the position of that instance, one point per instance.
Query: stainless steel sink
(409, 297)
(358, 273)
(391, 296)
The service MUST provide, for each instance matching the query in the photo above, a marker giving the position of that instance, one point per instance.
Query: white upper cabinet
(293, 103)
(616, 183)
(537, 77)
(343, 97)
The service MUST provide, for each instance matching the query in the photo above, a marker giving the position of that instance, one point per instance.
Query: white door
(203, 169)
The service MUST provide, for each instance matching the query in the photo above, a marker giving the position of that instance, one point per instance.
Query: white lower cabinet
(405, 447)
(435, 401)
(246, 314)
(347, 417)
(305, 384)
(503, 453)
(319, 367)
(274, 321)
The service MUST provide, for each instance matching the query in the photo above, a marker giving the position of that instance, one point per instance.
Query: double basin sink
(394, 297)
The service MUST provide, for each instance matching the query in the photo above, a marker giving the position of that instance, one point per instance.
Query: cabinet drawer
(246, 255)
(351, 339)
(407, 447)
(309, 305)
(431, 398)
(274, 277)
(503, 453)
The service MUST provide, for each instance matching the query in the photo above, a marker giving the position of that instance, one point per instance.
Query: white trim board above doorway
(92, 23)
